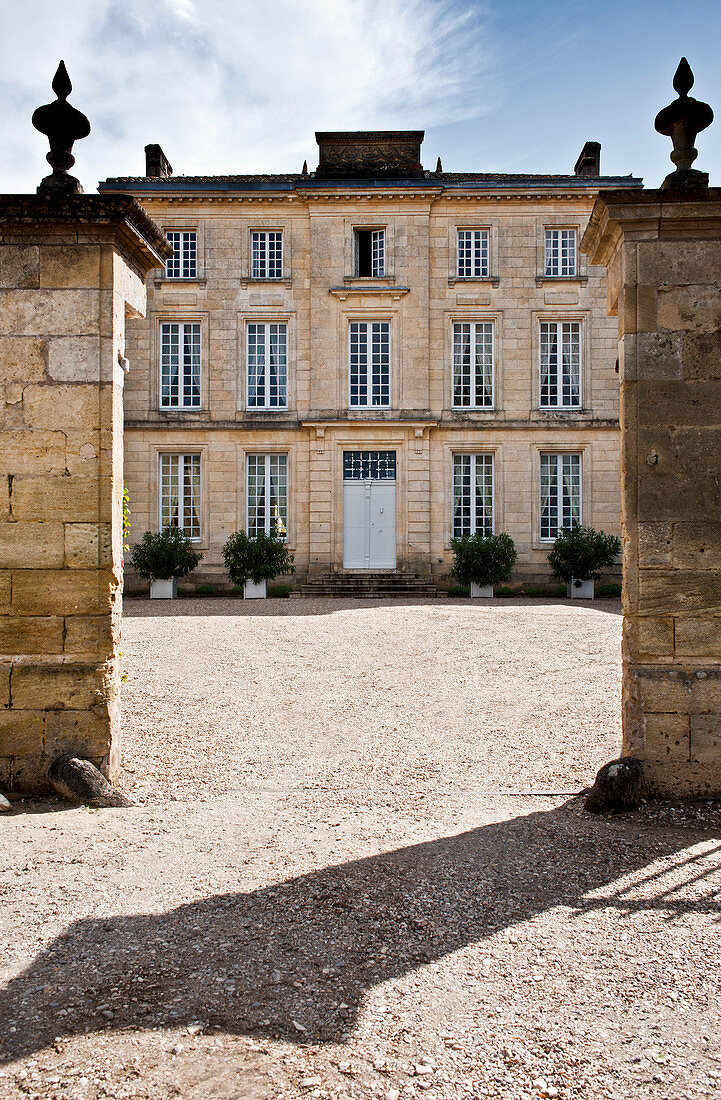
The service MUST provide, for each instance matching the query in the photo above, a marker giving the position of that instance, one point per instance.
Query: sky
(236, 86)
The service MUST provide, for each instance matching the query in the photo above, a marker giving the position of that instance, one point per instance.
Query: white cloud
(235, 85)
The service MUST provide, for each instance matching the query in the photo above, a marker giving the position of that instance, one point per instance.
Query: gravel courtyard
(358, 867)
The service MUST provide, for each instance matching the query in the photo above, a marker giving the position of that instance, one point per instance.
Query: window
(472, 495)
(267, 366)
(473, 364)
(370, 253)
(370, 363)
(369, 465)
(472, 254)
(560, 364)
(560, 493)
(266, 254)
(267, 495)
(180, 493)
(183, 264)
(180, 365)
(560, 252)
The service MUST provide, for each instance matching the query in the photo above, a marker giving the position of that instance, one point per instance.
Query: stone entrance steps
(369, 585)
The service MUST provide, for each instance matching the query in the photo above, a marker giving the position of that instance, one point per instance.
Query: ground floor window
(267, 494)
(560, 493)
(472, 495)
(180, 493)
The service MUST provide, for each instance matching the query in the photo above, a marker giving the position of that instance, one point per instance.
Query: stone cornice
(624, 213)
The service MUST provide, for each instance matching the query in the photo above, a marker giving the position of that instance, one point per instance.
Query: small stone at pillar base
(80, 781)
(618, 787)
(685, 180)
(60, 184)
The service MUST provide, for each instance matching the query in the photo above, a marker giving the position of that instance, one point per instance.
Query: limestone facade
(71, 270)
(420, 299)
(663, 252)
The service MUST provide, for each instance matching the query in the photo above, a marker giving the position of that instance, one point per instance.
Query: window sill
(382, 280)
(464, 280)
(366, 286)
(582, 280)
(561, 410)
(199, 281)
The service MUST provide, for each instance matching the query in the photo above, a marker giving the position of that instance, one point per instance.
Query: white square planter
(163, 590)
(253, 591)
(580, 590)
(485, 591)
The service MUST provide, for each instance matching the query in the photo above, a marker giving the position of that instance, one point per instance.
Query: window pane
(183, 263)
(462, 363)
(180, 493)
(169, 364)
(461, 495)
(369, 465)
(483, 376)
(560, 252)
(256, 494)
(169, 491)
(472, 254)
(378, 252)
(267, 494)
(560, 493)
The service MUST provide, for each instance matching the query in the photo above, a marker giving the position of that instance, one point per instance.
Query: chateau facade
(373, 358)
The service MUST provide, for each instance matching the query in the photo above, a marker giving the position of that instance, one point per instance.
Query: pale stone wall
(69, 273)
(317, 298)
(664, 258)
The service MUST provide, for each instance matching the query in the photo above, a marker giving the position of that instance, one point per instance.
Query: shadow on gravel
(191, 607)
(294, 960)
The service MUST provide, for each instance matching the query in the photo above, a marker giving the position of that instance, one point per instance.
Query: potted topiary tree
(480, 561)
(252, 561)
(163, 556)
(579, 554)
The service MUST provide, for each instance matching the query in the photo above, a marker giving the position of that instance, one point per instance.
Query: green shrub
(581, 553)
(164, 554)
(206, 590)
(504, 590)
(479, 559)
(260, 558)
(458, 590)
(280, 591)
(607, 591)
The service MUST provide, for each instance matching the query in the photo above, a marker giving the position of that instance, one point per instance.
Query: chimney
(589, 162)
(157, 164)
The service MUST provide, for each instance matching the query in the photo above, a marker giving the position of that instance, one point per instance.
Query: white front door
(369, 511)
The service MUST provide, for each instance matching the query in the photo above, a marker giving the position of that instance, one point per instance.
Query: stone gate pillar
(662, 249)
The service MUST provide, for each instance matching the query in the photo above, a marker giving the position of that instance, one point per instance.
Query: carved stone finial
(305, 168)
(682, 120)
(439, 166)
(63, 126)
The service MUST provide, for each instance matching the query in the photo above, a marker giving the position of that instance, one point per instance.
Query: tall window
(370, 363)
(267, 494)
(267, 366)
(560, 252)
(180, 365)
(560, 344)
(370, 253)
(472, 495)
(560, 493)
(266, 254)
(473, 364)
(472, 254)
(180, 493)
(183, 264)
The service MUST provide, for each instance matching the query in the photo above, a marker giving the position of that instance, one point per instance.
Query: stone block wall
(69, 274)
(664, 258)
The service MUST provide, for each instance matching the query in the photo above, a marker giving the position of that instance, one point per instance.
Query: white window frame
(568, 336)
(183, 264)
(473, 256)
(363, 369)
(189, 473)
(481, 396)
(280, 461)
(560, 253)
(269, 330)
(378, 252)
(481, 506)
(568, 511)
(260, 253)
(189, 366)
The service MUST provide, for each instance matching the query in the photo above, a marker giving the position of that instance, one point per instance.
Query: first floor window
(472, 495)
(180, 365)
(370, 363)
(370, 253)
(267, 495)
(560, 493)
(473, 364)
(267, 366)
(180, 493)
(266, 248)
(472, 254)
(183, 264)
(560, 252)
(560, 343)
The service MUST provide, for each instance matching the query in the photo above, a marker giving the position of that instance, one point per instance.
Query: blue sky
(234, 86)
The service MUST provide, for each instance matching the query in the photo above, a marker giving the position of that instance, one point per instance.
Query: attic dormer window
(370, 253)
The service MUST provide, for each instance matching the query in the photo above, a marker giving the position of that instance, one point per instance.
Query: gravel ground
(357, 868)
